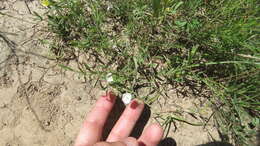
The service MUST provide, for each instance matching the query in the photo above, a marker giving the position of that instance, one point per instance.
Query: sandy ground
(43, 105)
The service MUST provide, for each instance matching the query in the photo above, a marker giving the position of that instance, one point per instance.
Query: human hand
(91, 131)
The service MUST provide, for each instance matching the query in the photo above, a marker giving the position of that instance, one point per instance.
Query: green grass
(155, 44)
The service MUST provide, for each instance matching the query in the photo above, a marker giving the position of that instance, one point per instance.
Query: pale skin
(92, 128)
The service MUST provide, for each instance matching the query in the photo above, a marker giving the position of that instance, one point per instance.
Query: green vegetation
(157, 44)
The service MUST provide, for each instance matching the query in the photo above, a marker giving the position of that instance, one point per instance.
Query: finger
(91, 130)
(151, 136)
(110, 144)
(129, 141)
(126, 122)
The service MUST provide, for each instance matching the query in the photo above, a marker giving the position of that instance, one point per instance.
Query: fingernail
(135, 103)
(110, 96)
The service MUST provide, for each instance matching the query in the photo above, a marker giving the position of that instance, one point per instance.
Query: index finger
(127, 121)
(91, 131)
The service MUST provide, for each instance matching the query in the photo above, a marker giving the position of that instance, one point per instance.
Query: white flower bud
(109, 78)
(126, 98)
(109, 7)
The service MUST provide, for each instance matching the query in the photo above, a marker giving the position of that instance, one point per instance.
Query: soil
(43, 105)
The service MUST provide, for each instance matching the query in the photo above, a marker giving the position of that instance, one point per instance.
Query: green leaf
(66, 67)
(256, 122)
(38, 16)
(178, 5)
(156, 4)
(180, 23)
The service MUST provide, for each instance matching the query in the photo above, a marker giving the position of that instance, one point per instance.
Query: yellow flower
(45, 3)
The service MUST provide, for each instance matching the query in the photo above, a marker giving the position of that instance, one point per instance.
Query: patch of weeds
(161, 43)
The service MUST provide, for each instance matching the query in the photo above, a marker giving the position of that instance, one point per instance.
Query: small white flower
(109, 7)
(126, 98)
(114, 46)
(109, 78)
